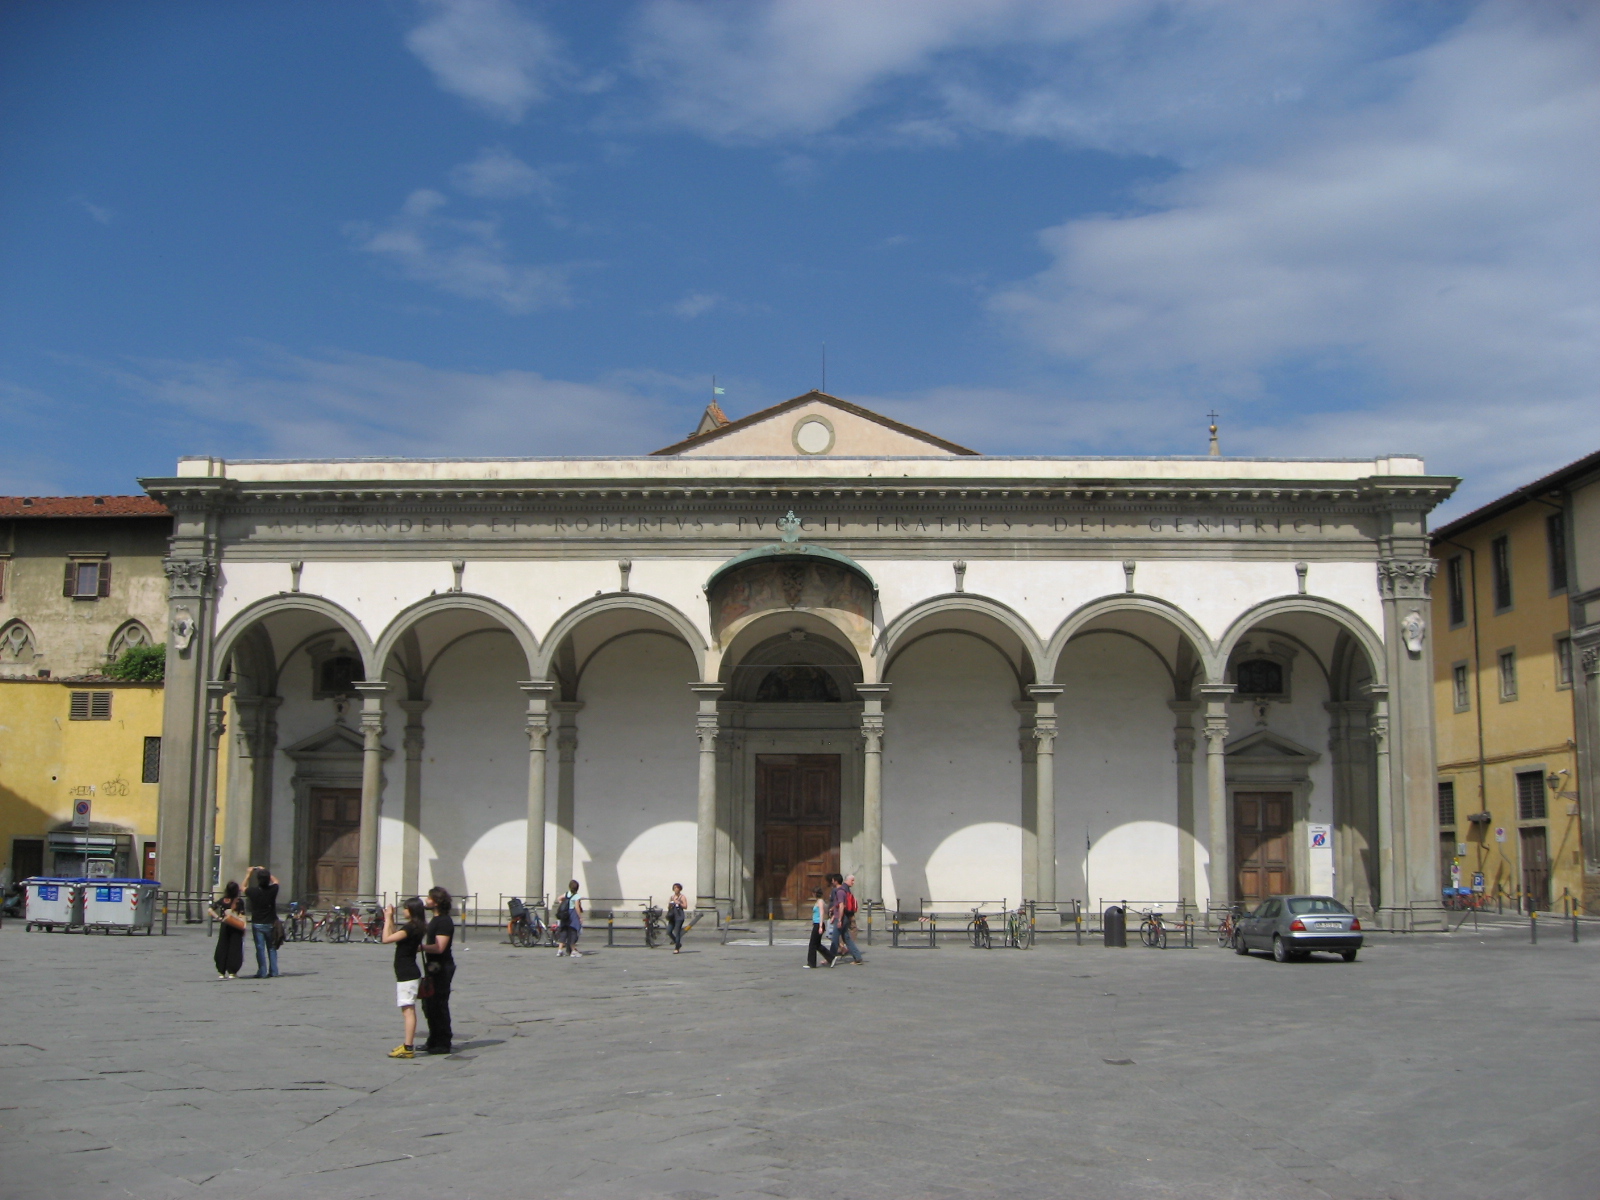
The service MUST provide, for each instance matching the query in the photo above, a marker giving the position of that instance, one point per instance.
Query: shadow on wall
(952, 775)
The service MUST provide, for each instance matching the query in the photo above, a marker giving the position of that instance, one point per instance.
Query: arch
(753, 630)
(1344, 618)
(17, 639)
(129, 634)
(609, 602)
(1131, 602)
(293, 602)
(412, 615)
(902, 631)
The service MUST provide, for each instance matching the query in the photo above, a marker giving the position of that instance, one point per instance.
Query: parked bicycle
(297, 923)
(1152, 932)
(525, 928)
(1228, 927)
(652, 926)
(978, 931)
(1019, 930)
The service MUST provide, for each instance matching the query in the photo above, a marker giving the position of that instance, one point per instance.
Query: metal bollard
(1533, 926)
(894, 930)
(1574, 926)
(933, 931)
(611, 928)
(1077, 920)
(770, 942)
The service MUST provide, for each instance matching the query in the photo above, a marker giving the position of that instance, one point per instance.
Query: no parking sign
(80, 813)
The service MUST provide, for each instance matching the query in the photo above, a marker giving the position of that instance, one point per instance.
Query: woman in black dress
(230, 932)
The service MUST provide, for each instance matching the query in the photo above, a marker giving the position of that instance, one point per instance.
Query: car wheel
(1239, 946)
(1280, 952)
(1348, 955)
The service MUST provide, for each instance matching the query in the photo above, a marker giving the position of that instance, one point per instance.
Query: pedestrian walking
(439, 967)
(844, 915)
(819, 929)
(677, 914)
(231, 924)
(569, 921)
(262, 898)
(407, 941)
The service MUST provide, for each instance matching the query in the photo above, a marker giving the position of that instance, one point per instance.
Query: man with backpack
(844, 909)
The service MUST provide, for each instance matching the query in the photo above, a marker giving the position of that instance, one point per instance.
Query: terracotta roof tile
(81, 506)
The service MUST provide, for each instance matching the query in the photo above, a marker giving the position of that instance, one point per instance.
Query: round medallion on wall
(813, 435)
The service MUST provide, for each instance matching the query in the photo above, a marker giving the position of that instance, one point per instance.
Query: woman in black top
(230, 938)
(406, 940)
(440, 965)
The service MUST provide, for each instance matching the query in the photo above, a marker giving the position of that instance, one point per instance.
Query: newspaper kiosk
(125, 904)
(53, 904)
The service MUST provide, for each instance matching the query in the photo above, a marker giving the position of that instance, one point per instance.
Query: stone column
(1028, 752)
(411, 835)
(1220, 874)
(539, 693)
(1044, 788)
(262, 764)
(1390, 852)
(873, 696)
(706, 726)
(190, 606)
(1350, 750)
(372, 692)
(1404, 583)
(239, 805)
(1586, 714)
(1183, 746)
(206, 839)
(566, 786)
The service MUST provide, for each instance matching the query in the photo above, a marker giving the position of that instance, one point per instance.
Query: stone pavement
(1459, 1066)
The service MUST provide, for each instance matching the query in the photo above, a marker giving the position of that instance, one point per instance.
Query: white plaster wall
(1116, 774)
(375, 592)
(474, 771)
(952, 775)
(241, 584)
(637, 770)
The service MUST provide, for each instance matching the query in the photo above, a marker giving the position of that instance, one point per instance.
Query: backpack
(564, 909)
(850, 905)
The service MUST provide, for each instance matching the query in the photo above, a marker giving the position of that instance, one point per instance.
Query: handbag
(277, 933)
(425, 990)
(234, 919)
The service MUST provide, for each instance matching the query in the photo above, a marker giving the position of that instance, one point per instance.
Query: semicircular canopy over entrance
(789, 575)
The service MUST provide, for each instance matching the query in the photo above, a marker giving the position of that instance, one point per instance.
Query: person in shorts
(569, 921)
(407, 941)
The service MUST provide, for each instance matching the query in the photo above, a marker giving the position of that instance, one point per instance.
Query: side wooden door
(335, 847)
(1263, 824)
(797, 823)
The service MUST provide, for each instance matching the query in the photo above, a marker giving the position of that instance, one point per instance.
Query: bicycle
(1228, 927)
(297, 924)
(652, 926)
(525, 929)
(978, 931)
(332, 926)
(1152, 932)
(371, 926)
(1019, 933)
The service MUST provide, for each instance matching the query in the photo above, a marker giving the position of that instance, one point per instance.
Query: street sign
(1499, 833)
(80, 813)
(1321, 836)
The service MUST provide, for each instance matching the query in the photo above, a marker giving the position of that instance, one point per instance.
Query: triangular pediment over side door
(815, 425)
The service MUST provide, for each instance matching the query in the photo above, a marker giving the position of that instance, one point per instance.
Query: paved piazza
(1433, 1067)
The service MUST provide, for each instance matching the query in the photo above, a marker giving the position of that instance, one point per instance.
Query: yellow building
(66, 741)
(1509, 813)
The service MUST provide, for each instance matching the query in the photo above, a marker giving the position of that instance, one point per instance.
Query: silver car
(1294, 926)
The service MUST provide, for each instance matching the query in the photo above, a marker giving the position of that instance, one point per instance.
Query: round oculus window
(813, 436)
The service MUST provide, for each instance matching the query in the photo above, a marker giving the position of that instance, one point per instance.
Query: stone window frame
(1439, 801)
(1461, 685)
(320, 653)
(1555, 546)
(1565, 669)
(1274, 651)
(119, 642)
(794, 434)
(1501, 579)
(1507, 680)
(72, 582)
(1535, 772)
(1455, 574)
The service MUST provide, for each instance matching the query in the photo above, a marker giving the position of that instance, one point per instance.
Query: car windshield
(1316, 904)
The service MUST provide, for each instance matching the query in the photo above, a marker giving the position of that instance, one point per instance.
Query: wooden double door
(1263, 839)
(797, 829)
(334, 847)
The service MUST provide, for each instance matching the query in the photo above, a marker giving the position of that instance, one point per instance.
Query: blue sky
(485, 227)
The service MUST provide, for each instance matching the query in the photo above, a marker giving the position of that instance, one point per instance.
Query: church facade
(812, 639)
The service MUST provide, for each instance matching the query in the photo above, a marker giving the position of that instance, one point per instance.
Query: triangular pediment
(815, 425)
(1264, 745)
(336, 741)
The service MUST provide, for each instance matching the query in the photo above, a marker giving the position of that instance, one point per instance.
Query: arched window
(131, 635)
(798, 684)
(17, 645)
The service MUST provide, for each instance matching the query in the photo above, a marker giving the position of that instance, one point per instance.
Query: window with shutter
(1530, 796)
(99, 706)
(103, 580)
(87, 580)
(78, 710)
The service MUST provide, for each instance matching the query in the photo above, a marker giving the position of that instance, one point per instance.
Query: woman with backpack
(406, 940)
(569, 921)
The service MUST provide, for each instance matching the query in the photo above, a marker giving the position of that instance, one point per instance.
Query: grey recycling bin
(53, 903)
(127, 905)
(1116, 926)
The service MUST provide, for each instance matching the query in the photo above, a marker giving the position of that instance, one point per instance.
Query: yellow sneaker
(402, 1052)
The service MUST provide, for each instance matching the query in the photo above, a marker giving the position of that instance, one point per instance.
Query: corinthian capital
(187, 577)
(1406, 578)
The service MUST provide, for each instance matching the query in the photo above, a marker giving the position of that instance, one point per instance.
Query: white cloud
(497, 174)
(1435, 250)
(274, 403)
(488, 52)
(464, 257)
(1132, 76)
(696, 304)
(97, 212)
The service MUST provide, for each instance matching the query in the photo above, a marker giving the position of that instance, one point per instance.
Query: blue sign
(108, 895)
(49, 891)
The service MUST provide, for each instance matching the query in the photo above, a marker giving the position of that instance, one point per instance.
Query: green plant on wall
(141, 664)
